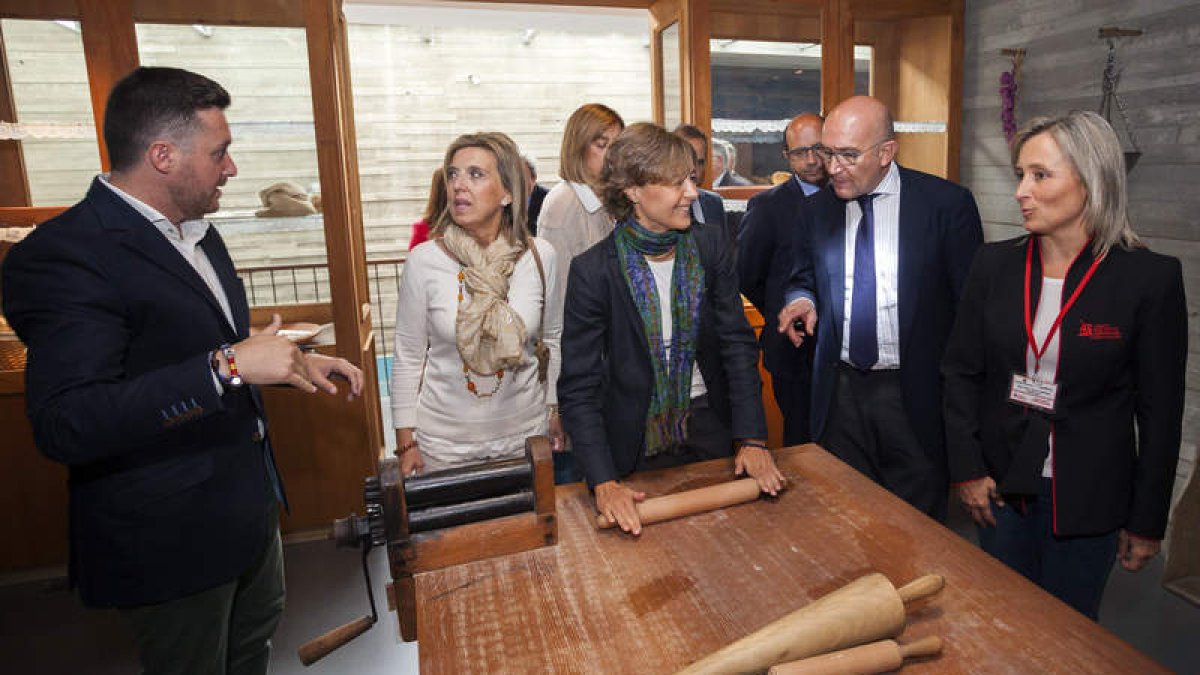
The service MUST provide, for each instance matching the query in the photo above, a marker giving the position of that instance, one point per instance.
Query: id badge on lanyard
(1023, 389)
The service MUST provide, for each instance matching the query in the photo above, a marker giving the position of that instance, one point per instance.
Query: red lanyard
(1037, 353)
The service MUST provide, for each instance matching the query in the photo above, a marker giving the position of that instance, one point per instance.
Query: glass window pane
(56, 129)
(275, 237)
(672, 88)
(758, 86)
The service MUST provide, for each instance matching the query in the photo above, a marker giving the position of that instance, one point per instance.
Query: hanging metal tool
(1109, 95)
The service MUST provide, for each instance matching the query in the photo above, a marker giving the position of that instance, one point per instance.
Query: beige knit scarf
(489, 332)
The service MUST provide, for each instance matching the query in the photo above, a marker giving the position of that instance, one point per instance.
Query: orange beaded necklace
(471, 386)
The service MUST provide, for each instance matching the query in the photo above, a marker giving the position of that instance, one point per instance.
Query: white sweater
(438, 402)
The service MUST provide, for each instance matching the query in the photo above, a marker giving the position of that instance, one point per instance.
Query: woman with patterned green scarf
(659, 365)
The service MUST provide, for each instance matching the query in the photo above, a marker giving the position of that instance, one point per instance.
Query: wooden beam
(696, 64)
(111, 52)
(837, 53)
(337, 162)
(14, 184)
(955, 94)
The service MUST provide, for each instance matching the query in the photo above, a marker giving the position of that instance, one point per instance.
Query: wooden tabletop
(607, 602)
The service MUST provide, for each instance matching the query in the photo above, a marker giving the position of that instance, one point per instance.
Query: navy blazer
(764, 265)
(1122, 355)
(939, 234)
(605, 385)
(170, 482)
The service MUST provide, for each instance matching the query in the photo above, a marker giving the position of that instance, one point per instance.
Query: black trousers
(793, 395)
(869, 429)
(706, 437)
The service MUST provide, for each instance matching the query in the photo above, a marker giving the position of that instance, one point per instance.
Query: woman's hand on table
(1134, 551)
(758, 464)
(977, 496)
(617, 503)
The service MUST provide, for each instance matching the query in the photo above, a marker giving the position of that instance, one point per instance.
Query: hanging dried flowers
(1009, 86)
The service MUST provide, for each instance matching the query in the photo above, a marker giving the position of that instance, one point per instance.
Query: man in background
(724, 165)
(709, 207)
(765, 262)
(142, 378)
(537, 193)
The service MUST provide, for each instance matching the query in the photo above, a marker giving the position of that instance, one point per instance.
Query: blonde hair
(510, 169)
(644, 154)
(1092, 148)
(586, 124)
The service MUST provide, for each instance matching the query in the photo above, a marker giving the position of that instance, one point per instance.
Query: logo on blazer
(1099, 331)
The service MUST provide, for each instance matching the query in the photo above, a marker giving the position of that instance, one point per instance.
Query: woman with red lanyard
(1065, 372)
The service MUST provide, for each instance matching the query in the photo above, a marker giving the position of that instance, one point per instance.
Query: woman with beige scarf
(477, 326)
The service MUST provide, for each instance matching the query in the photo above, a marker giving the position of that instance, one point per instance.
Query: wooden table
(605, 602)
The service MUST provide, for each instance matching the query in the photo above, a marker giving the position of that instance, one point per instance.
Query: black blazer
(764, 263)
(605, 384)
(1121, 373)
(939, 234)
(535, 206)
(170, 483)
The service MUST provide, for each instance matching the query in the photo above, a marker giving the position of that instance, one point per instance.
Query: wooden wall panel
(34, 495)
(14, 190)
(110, 48)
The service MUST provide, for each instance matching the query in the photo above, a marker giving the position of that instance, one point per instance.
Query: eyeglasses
(801, 153)
(847, 157)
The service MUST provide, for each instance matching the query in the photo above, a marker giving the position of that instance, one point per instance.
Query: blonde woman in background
(573, 217)
(467, 385)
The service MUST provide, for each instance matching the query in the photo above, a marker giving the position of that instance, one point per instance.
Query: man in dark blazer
(141, 379)
(725, 165)
(537, 193)
(708, 208)
(765, 265)
(881, 255)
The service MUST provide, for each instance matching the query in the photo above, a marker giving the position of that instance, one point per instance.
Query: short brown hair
(644, 154)
(585, 125)
(510, 168)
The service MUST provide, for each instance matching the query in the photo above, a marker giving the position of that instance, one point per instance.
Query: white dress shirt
(185, 239)
(886, 206)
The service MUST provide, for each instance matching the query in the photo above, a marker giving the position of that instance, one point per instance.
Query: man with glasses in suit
(881, 258)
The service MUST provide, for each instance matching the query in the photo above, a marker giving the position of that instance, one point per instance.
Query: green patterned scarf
(671, 399)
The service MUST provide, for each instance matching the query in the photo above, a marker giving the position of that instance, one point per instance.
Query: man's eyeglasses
(848, 157)
(801, 153)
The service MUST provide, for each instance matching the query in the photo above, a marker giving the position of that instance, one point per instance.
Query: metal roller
(468, 483)
(449, 515)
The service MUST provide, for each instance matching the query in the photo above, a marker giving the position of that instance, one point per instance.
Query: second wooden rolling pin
(867, 609)
(658, 509)
(869, 659)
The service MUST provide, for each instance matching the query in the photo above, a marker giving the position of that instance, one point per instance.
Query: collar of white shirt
(191, 231)
(591, 203)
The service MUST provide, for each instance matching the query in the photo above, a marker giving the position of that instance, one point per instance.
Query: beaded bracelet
(752, 444)
(405, 447)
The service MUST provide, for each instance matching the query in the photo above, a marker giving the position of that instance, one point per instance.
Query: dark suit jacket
(1123, 346)
(605, 385)
(732, 178)
(939, 234)
(170, 482)
(765, 264)
(535, 206)
(713, 208)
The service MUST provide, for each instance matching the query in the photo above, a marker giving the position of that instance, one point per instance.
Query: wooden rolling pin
(864, 610)
(869, 659)
(658, 509)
